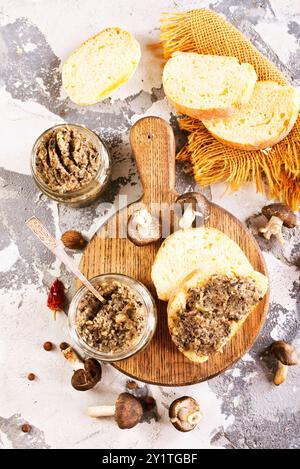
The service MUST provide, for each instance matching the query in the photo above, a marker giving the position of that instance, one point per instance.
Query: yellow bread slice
(190, 249)
(199, 278)
(268, 117)
(100, 65)
(207, 86)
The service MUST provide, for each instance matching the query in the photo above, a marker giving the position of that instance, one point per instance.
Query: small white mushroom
(127, 411)
(279, 215)
(185, 414)
(193, 204)
(274, 227)
(286, 355)
(143, 228)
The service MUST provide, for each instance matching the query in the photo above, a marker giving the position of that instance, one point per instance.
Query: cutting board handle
(153, 145)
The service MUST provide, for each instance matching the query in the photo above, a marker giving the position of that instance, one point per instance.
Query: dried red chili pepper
(56, 297)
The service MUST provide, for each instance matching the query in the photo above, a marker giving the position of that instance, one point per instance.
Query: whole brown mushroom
(278, 215)
(286, 355)
(185, 413)
(192, 204)
(127, 411)
(86, 374)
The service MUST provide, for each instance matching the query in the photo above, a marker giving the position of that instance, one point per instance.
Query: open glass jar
(144, 297)
(94, 187)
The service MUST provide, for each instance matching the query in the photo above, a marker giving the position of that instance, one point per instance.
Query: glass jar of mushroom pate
(71, 164)
(119, 327)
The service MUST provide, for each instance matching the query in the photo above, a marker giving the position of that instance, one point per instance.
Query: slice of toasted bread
(194, 248)
(207, 86)
(100, 65)
(200, 278)
(265, 120)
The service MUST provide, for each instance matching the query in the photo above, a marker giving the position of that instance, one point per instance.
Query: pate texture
(115, 325)
(206, 322)
(66, 160)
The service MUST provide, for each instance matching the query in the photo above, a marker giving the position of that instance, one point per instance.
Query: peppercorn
(26, 428)
(63, 346)
(31, 377)
(48, 346)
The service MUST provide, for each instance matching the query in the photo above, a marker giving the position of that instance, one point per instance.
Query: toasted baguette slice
(100, 65)
(207, 86)
(201, 278)
(194, 248)
(265, 120)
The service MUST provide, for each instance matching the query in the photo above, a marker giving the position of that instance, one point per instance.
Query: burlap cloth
(275, 171)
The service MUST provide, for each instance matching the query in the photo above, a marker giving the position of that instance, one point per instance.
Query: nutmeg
(73, 240)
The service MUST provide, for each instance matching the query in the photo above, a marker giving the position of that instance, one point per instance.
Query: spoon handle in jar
(55, 246)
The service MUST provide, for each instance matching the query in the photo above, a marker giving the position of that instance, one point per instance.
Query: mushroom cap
(86, 378)
(183, 404)
(128, 411)
(143, 228)
(281, 211)
(284, 352)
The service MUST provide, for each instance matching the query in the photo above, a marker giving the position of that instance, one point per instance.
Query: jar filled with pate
(70, 164)
(118, 327)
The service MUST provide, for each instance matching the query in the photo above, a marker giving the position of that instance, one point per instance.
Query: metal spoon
(58, 250)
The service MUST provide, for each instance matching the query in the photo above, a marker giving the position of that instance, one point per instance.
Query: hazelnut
(31, 377)
(73, 240)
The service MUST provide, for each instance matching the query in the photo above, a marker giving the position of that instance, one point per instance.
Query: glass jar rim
(101, 172)
(150, 317)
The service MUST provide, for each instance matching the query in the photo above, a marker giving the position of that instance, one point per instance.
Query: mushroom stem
(188, 217)
(101, 411)
(74, 359)
(274, 227)
(281, 374)
(192, 417)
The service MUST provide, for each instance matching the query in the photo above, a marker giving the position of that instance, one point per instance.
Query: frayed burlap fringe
(205, 32)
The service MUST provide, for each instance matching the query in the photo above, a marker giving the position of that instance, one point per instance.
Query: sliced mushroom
(278, 215)
(143, 228)
(193, 205)
(286, 355)
(185, 414)
(86, 373)
(127, 411)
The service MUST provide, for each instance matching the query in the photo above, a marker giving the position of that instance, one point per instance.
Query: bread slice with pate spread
(267, 118)
(207, 86)
(209, 307)
(194, 248)
(100, 65)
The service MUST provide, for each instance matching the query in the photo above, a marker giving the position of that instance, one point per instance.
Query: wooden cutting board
(152, 142)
